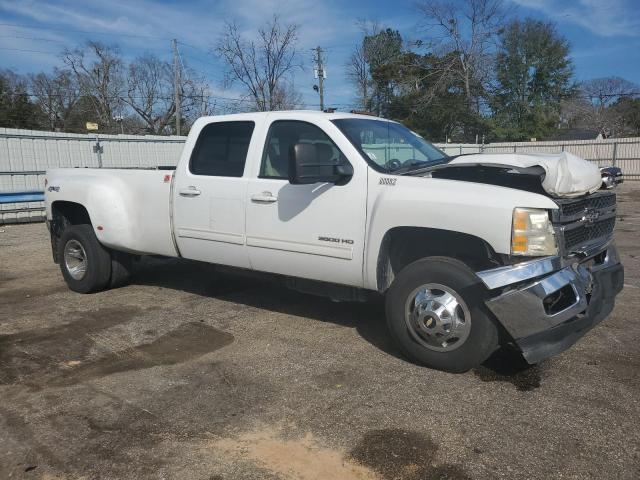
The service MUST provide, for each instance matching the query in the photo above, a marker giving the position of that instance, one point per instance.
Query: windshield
(389, 146)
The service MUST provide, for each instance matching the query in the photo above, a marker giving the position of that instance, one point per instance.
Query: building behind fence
(25, 155)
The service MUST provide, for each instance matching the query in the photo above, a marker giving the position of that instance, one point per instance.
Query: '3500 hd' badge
(336, 240)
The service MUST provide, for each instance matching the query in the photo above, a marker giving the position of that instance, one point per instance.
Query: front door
(209, 196)
(310, 231)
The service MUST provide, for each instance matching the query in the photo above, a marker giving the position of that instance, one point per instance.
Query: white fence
(26, 154)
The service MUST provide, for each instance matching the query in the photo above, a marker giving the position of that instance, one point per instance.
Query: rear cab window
(221, 149)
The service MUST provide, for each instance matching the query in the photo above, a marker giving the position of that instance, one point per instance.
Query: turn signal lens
(532, 233)
(520, 218)
(519, 244)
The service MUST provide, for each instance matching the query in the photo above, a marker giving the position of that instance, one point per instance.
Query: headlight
(532, 233)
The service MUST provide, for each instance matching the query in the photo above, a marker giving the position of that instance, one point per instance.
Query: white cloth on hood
(567, 175)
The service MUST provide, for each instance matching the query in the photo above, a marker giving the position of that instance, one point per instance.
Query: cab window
(221, 149)
(283, 135)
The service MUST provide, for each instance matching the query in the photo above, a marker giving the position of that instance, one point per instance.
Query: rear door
(209, 195)
(310, 231)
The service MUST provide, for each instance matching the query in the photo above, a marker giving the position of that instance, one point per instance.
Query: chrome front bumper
(584, 289)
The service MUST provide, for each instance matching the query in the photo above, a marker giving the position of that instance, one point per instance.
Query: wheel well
(62, 214)
(404, 245)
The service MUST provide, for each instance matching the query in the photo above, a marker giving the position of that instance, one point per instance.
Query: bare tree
(604, 92)
(579, 112)
(204, 103)
(594, 105)
(150, 92)
(260, 65)
(99, 71)
(197, 100)
(286, 97)
(467, 29)
(358, 73)
(56, 94)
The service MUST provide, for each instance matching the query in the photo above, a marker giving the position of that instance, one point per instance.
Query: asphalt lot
(192, 374)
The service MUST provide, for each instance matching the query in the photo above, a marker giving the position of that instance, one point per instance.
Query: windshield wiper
(407, 168)
(414, 168)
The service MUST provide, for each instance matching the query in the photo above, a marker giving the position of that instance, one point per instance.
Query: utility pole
(320, 75)
(176, 83)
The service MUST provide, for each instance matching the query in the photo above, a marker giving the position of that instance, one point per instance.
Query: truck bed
(129, 208)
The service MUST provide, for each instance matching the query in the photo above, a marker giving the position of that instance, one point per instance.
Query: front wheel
(436, 314)
(84, 262)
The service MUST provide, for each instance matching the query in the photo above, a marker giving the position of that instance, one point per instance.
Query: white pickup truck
(470, 252)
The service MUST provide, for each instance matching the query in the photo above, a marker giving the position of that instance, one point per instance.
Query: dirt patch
(188, 341)
(5, 276)
(391, 454)
(403, 455)
(301, 458)
(41, 352)
(35, 293)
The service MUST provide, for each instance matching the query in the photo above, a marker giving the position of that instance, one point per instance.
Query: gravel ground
(193, 374)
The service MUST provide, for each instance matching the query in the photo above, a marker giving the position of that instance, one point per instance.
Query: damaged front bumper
(546, 305)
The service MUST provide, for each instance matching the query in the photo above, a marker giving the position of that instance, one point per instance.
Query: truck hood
(556, 174)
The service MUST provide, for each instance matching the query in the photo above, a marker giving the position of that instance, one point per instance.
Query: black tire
(121, 265)
(482, 338)
(98, 261)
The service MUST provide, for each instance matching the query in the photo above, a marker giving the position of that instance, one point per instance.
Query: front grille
(585, 222)
(599, 201)
(586, 234)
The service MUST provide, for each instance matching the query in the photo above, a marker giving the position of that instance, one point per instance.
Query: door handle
(189, 192)
(264, 197)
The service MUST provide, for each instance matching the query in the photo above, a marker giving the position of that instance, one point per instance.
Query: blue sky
(604, 34)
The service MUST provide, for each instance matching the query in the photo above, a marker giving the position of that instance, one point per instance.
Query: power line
(194, 47)
(610, 95)
(136, 97)
(200, 97)
(61, 52)
(40, 39)
(196, 59)
(89, 32)
(30, 51)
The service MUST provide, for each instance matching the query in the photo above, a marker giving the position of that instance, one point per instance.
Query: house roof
(574, 134)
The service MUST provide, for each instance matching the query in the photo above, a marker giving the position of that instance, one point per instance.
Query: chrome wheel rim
(437, 317)
(75, 259)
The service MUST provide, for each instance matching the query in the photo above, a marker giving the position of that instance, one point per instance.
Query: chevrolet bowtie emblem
(590, 217)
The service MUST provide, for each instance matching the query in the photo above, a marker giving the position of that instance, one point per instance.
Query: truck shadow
(508, 366)
(267, 294)
(368, 319)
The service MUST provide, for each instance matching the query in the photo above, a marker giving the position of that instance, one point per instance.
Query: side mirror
(306, 167)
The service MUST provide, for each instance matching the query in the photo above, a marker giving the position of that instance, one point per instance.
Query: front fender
(484, 211)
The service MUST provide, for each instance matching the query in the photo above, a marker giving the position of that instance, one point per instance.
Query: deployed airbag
(566, 174)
